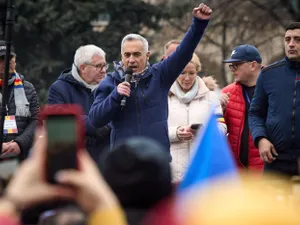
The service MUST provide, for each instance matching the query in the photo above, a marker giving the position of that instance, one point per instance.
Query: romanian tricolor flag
(220, 118)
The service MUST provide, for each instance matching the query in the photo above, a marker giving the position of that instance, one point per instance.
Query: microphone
(128, 74)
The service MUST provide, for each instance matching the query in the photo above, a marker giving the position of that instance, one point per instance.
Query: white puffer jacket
(180, 114)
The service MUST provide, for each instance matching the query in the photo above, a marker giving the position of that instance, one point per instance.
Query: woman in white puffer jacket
(190, 102)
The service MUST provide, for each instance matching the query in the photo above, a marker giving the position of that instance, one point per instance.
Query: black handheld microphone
(128, 74)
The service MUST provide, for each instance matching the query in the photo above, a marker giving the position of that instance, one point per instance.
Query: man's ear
(148, 55)
(81, 68)
(254, 65)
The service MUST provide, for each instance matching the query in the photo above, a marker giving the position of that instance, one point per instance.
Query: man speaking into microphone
(128, 76)
(146, 110)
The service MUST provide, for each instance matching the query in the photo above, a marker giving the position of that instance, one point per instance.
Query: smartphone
(65, 134)
(196, 126)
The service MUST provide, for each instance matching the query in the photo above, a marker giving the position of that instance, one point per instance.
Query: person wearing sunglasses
(245, 65)
(76, 85)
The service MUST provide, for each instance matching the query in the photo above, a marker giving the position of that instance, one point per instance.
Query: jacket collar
(293, 64)
(67, 76)
(202, 89)
(119, 72)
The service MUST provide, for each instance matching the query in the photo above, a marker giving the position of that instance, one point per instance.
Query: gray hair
(85, 53)
(132, 37)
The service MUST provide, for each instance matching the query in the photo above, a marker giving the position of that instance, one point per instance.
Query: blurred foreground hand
(87, 187)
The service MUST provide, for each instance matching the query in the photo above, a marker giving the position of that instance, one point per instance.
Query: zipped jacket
(146, 112)
(275, 108)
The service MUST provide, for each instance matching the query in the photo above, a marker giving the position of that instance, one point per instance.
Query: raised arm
(176, 62)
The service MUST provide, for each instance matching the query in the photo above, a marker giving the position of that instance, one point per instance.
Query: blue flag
(212, 156)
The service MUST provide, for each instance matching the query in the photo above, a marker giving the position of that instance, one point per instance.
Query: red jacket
(234, 118)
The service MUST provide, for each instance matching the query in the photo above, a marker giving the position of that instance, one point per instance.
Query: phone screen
(61, 152)
(196, 126)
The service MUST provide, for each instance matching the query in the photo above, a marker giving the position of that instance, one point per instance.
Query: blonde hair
(196, 61)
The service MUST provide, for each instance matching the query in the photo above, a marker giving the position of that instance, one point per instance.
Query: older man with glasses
(245, 64)
(76, 85)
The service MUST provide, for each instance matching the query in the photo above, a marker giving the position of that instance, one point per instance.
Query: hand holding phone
(184, 133)
(196, 126)
(65, 134)
(28, 187)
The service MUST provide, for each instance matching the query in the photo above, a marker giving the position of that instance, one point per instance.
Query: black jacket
(26, 125)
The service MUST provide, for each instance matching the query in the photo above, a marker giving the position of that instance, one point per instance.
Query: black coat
(26, 125)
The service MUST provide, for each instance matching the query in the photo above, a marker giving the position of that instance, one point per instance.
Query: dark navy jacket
(275, 107)
(146, 112)
(67, 90)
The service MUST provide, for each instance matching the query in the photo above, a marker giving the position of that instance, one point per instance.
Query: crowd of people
(137, 154)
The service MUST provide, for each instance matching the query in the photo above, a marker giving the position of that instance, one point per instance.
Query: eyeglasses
(99, 66)
(235, 66)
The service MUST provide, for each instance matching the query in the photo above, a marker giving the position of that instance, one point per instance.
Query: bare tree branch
(177, 26)
(267, 39)
(269, 11)
(207, 38)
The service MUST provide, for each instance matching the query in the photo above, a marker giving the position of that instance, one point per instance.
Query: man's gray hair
(132, 37)
(85, 53)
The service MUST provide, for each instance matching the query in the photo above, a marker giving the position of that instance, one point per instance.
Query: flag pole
(8, 39)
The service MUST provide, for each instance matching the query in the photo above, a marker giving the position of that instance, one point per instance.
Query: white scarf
(186, 97)
(77, 77)
(21, 102)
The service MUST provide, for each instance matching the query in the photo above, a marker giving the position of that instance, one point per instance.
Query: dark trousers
(283, 167)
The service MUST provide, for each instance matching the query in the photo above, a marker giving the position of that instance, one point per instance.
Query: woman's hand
(184, 133)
